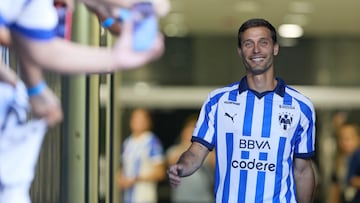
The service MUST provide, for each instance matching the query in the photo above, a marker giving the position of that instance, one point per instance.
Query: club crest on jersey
(285, 120)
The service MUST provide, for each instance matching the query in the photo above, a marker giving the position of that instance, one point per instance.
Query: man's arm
(157, 174)
(188, 163)
(62, 56)
(7, 75)
(304, 179)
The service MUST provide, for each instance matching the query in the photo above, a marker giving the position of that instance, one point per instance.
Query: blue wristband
(108, 22)
(37, 89)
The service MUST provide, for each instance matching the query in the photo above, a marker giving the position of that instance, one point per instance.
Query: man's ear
(276, 49)
(239, 51)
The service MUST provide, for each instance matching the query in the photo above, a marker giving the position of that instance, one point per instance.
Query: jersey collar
(279, 89)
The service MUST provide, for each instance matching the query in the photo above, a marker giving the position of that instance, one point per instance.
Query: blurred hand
(46, 105)
(124, 182)
(127, 57)
(174, 173)
(5, 37)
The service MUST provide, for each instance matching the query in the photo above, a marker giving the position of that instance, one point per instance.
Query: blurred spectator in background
(142, 161)
(348, 143)
(196, 188)
(353, 194)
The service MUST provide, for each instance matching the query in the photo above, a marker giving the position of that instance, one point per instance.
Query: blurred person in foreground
(31, 35)
(142, 161)
(262, 130)
(196, 188)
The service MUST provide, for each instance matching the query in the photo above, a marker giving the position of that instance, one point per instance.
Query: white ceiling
(223, 17)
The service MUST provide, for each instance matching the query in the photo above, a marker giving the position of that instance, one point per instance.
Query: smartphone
(145, 27)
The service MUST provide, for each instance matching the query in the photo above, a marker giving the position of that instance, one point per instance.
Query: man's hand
(46, 105)
(124, 182)
(188, 163)
(5, 37)
(174, 172)
(127, 57)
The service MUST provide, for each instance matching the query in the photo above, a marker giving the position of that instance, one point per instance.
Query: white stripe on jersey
(256, 138)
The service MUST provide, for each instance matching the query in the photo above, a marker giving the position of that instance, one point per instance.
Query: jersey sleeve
(156, 150)
(35, 19)
(205, 131)
(305, 138)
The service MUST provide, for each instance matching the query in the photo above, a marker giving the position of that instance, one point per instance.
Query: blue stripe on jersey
(260, 186)
(2, 21)
(268, 105)
(39, 34)
(243, 179)
(279, 170)
(155, 147)
(288, 182)
(287, 99)
(233, 95)
(213, 141)
(297, 137)
(217, 175)
(250, 99)
(242, 186)
(229, 151)
(130, 194)
(260, 183)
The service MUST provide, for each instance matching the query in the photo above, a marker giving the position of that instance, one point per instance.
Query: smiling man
(262, 130)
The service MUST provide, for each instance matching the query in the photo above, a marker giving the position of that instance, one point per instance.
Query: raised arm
(66, 57)
(305, 180)
(188, 163)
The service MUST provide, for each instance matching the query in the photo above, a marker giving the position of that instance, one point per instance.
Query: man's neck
(261, 83)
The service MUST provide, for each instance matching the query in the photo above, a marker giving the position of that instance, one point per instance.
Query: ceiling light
(290, 31)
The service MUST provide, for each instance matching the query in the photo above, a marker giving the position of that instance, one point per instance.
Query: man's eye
(264, 42)
(247, 44)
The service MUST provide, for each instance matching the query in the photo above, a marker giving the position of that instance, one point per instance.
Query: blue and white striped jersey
(256, 137)
(140, 155)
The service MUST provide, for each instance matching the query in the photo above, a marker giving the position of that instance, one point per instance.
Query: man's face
(257, 50)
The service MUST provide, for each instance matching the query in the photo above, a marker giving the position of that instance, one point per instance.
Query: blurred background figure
(196, 188)
(353, 176)
(142, 164)
(347, 143)
(327, 145)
